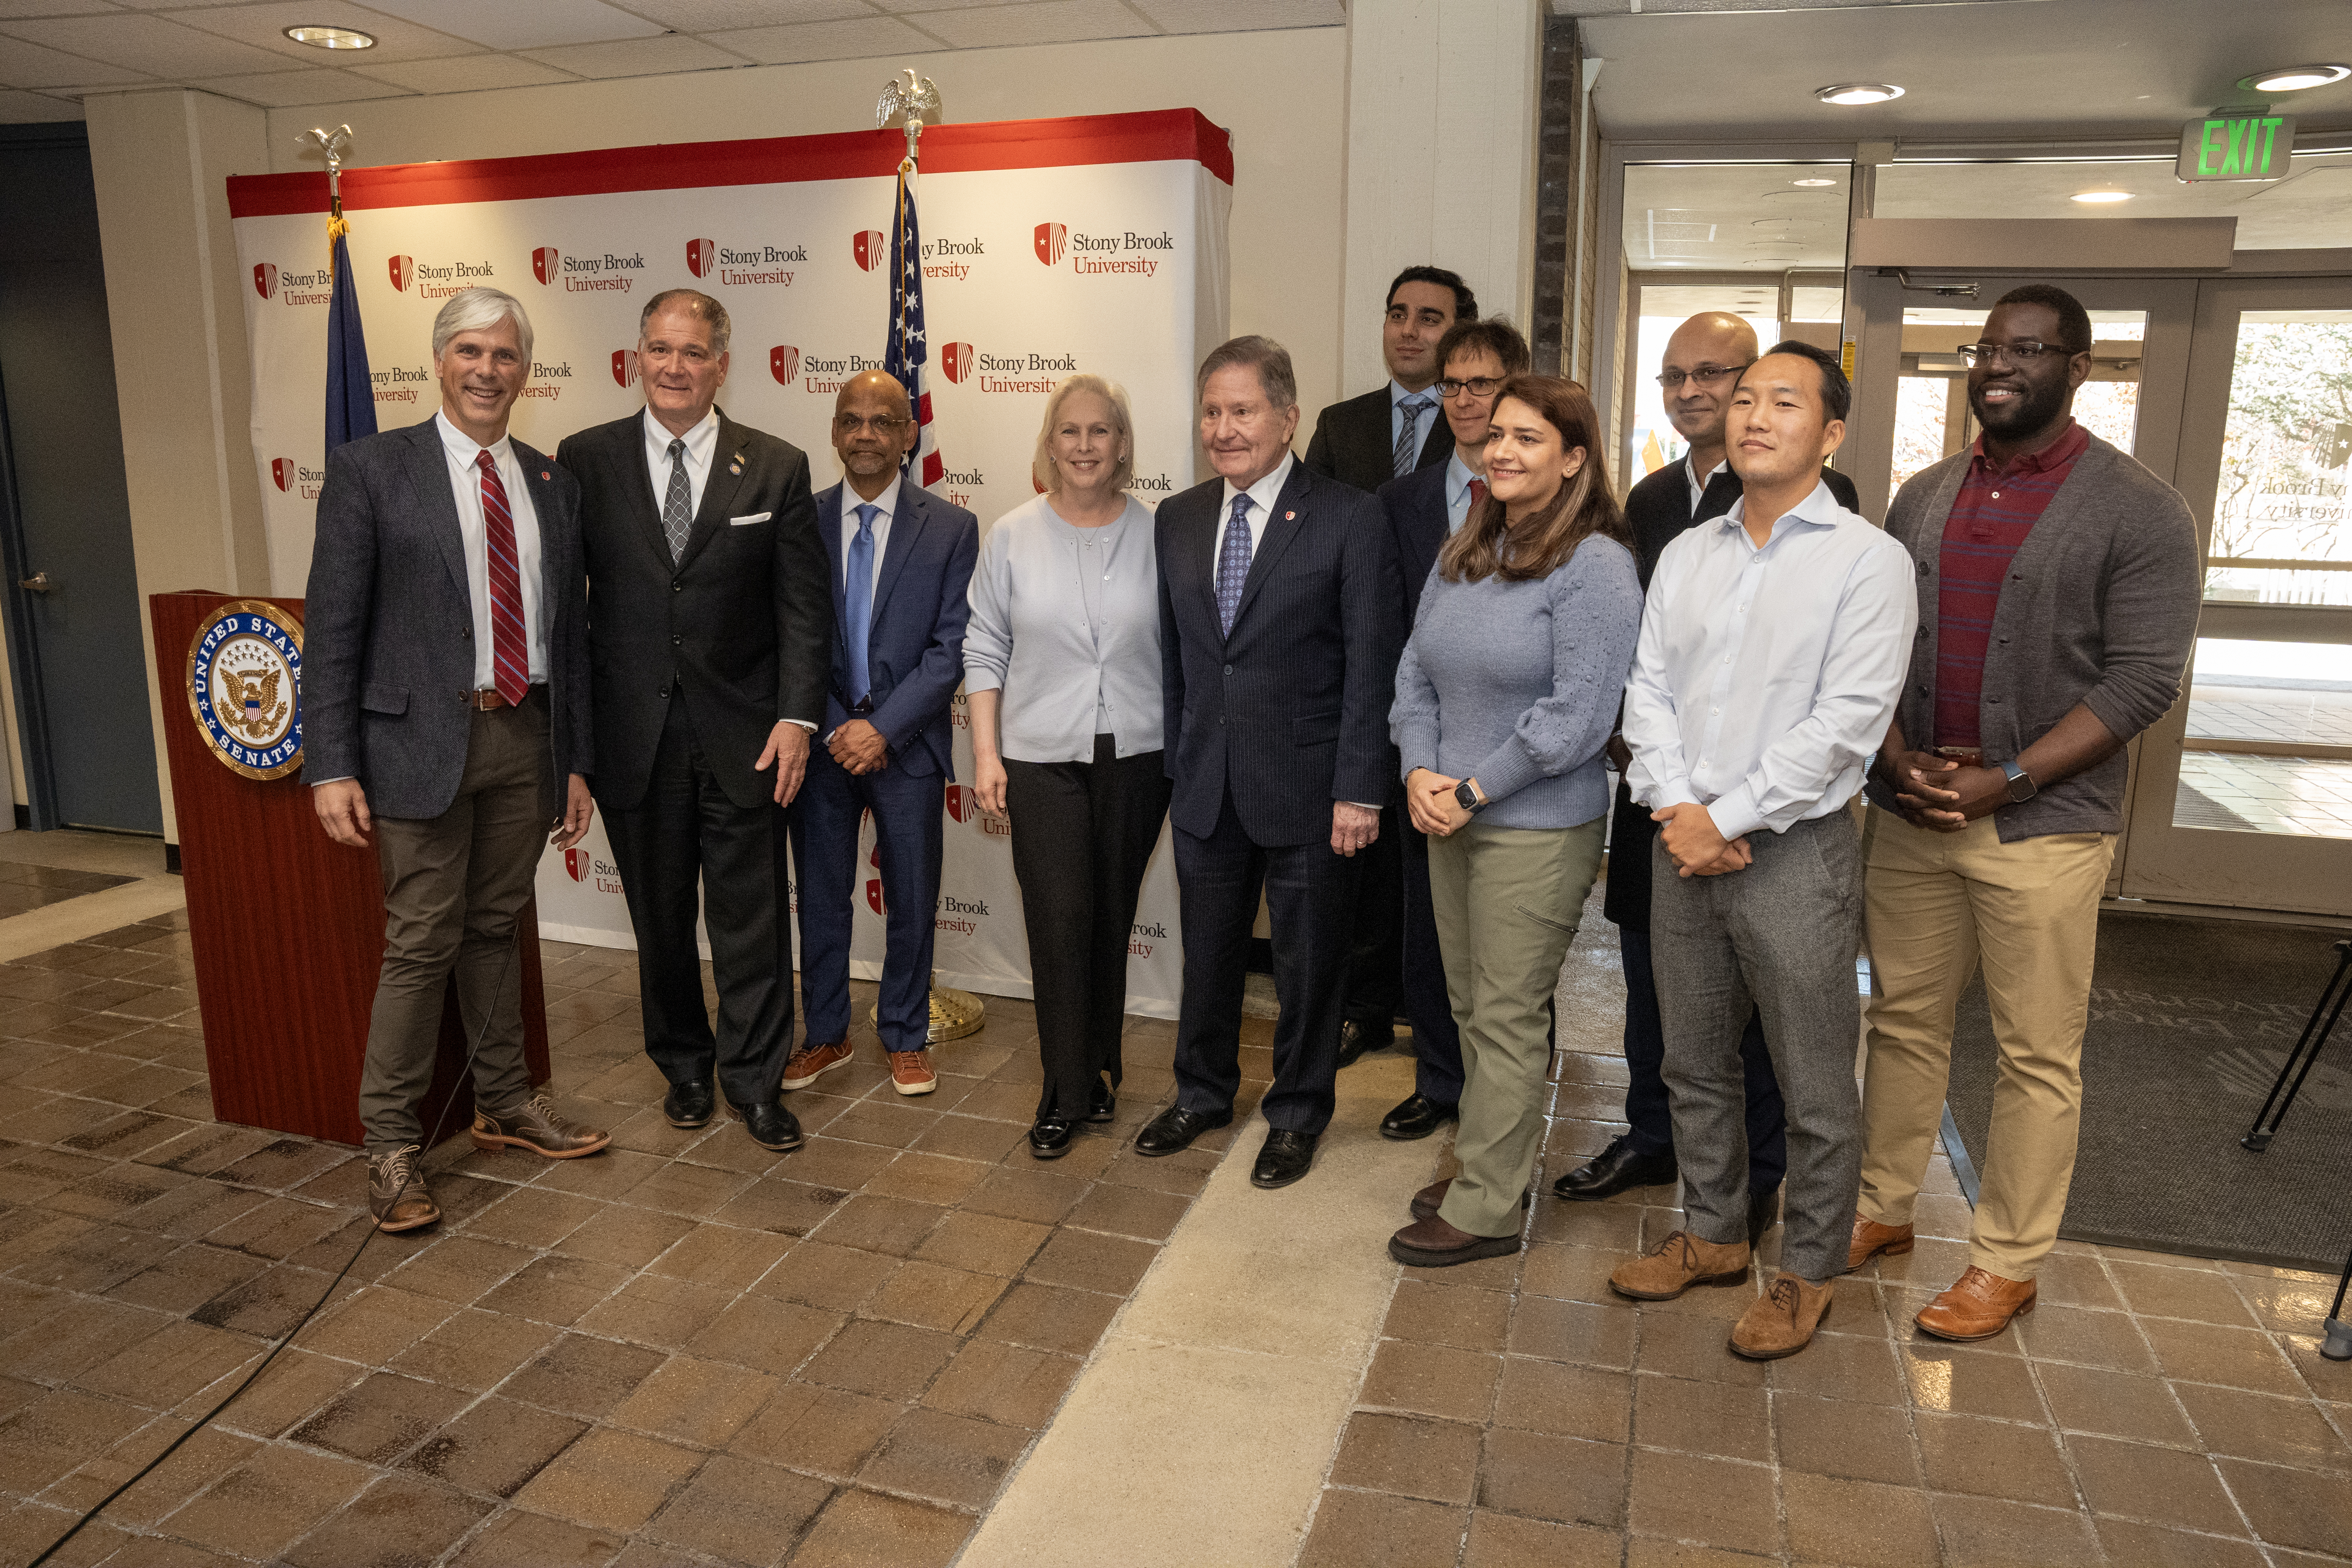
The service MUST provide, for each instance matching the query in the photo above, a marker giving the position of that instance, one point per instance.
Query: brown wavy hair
(1486, 546)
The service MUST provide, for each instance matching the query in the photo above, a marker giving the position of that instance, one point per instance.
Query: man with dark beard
(2058, 598)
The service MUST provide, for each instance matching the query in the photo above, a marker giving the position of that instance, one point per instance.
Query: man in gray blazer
(446, 710)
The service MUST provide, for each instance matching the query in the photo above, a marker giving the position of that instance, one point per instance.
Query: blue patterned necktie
(858, 593)
(1408, 446)
(1233, 565)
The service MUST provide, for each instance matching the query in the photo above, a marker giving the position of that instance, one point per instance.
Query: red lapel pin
(1289, 515)
(547, 475)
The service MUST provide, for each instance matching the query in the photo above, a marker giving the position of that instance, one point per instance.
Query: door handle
(38, 583)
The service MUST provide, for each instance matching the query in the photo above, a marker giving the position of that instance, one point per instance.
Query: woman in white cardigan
(1062, 671)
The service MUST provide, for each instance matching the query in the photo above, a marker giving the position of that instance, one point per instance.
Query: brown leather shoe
(537, 1126)
(911, 1072)
(397, 1195)
(811, 1061)
(1676, 1264)
(1432, 1244)
(1431, 1198)
(1871, 1238)
(1977, 1308)
(1781, 1321)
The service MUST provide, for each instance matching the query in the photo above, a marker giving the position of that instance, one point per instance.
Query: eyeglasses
(2022, 352)
(1705, 375)
(881, 423)
(1477, 386)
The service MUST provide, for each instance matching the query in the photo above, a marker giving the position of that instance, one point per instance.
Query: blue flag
(351, 394)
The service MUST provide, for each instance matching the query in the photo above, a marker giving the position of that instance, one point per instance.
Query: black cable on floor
(465, 1075)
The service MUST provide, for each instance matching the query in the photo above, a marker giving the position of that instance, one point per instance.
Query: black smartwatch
(1468, 798)
(2021, 787)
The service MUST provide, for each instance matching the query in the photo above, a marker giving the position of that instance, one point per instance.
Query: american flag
(905, 354)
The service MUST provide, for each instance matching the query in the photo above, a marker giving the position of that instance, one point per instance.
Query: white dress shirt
(466, 484)
(1262, 497)
(702, 445)
(1698, 486)
(850, 502)
(1457, 492)
(1765, 679)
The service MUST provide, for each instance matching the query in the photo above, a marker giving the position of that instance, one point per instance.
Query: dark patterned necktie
(678, 508)
(1233, 565)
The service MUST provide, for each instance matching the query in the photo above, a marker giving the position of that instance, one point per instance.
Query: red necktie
(1477, 493)
(510, 653)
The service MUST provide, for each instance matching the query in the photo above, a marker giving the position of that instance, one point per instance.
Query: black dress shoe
(1050, 1138)
(1357, 1038)
(1103, 1103)
(1283, 1157)
(1173, 1130)
(687, 1104)
(1612, 1170)
(1763, 1208)
(1418, 1117)
(771, 1125)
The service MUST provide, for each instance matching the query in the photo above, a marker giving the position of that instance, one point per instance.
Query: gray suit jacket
(388, 627)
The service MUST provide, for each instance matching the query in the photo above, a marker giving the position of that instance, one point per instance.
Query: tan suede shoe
(1977, 1308)
(538, 1126)
(1676, 1264)
(1871, 1238)
(1780, 1321)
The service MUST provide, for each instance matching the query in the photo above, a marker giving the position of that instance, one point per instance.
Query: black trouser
(1376, 965)
(1083, 835)
(686, 830)
(1436, 1042)
(1652, 1128)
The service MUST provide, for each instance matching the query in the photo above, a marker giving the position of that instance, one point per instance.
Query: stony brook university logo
(265, 279)
(701, 256)
(1052, 240)
(404, 271)
(874, 883)
(956, 360)
(545, 263)
(963, 805)
(576, 861)
(870, 247)
(785, 363)
(625, 366)
(281, 471)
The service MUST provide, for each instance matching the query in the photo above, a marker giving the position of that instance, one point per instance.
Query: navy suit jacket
(914, 648)
(1290, 712)
(1416, 508)
(388, 624)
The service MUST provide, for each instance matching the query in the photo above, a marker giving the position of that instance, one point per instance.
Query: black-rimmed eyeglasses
(1477, 386)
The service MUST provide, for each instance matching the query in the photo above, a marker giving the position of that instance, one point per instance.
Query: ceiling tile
(1051, 22)
(468, 73)
(1241, 16)
(285, 90)
(825, 40)
(264, 26)
(637, 57)
(706, 15)
(51, 8)
(523, 24)
(30, 65)
(29, 108)
(150, 44)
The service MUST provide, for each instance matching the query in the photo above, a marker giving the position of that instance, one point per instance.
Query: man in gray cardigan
(2058, 598)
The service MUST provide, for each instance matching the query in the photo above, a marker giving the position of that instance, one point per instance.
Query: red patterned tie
(1477, 493)
(509, 654)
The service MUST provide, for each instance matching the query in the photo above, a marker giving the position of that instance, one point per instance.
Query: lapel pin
(547, 475)
(1289, 515)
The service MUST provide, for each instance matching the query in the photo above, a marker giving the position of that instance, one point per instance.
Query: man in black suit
(445, 701)
(1425, 507)
(1279, 630)
(1702, 364)
(709, 620)
(1368, 442)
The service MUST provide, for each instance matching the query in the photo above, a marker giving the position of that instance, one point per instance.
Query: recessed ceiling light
(2294, 78)
(1817, 184)
(1853, 92)
(2097, 197)
(331, 37)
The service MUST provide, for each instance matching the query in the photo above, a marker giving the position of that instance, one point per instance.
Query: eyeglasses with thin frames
(2021, 353)
(881, 423)
(1705, 375)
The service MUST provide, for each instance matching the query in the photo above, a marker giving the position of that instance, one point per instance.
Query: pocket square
(747, 522)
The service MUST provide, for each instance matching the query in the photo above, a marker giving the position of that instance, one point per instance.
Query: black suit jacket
(1290, 712)
(1354, 444)
(388, 624)
(1658, 509)
(1416, 508)
(741, 621)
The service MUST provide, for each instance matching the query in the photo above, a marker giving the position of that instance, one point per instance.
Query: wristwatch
(1469, 799)
(2021, 787)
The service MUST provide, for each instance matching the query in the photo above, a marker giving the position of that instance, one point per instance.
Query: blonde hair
(1048, 478)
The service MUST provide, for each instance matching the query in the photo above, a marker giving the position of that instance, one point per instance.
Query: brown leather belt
(487, 700)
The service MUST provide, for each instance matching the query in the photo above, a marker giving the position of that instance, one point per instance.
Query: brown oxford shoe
(1432, 1244)
(1782, 1321)
(1871, 1238)
(1676, 1264)
(1977, 1308)
(536, 1125)
(1431, 1198)
(397, 1196)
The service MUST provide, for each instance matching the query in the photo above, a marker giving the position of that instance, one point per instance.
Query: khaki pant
(1508, 902)
(1934, 904)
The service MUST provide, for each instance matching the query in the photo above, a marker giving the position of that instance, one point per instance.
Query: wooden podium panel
(288, 928)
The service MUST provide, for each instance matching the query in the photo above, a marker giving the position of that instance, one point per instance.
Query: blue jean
(1653, 1131)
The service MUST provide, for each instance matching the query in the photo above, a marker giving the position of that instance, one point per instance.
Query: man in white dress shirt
(1772, 650)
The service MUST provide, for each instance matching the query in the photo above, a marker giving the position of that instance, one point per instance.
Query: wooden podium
(288, 928)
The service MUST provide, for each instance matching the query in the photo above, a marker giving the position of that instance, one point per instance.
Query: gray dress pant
(1779, 937)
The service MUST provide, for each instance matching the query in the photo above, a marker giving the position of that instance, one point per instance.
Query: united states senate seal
(244, 687)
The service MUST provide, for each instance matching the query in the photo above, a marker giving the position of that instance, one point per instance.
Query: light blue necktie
(1408, 446)
(858, 595)
(1233, 565)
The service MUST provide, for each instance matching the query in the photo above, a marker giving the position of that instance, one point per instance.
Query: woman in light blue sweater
(1505, 699)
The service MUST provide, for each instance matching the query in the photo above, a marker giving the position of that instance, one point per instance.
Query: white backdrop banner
(1050, 246)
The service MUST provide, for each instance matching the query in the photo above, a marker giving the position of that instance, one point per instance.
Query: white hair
(473, 309)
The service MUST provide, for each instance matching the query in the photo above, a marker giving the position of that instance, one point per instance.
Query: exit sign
(2236, 147)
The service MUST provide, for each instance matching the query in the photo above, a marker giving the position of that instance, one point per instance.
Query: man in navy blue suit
(1280, 621)
(901, 560)
(1474, 359)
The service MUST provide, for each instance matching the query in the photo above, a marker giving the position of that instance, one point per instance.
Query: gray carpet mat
(2190, 1021)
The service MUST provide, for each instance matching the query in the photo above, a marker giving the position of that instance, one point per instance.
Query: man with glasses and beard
(2058, 599)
